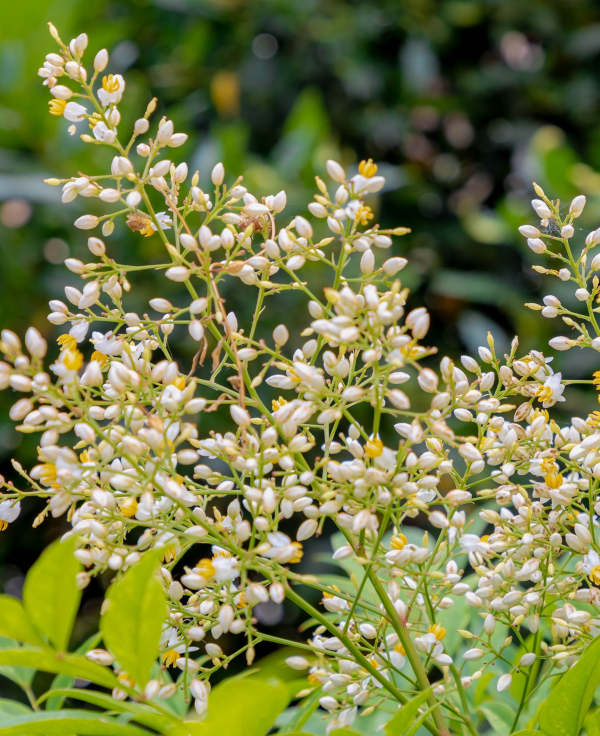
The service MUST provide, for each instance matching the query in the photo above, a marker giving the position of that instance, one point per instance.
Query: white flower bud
(86, 222)
(35, 343)
(335, 171)
(177, 273)
(541, 209)
(536, 245)
(101, 60)
(504, 682)
(529, 231)
(577, 205)
(303, 227)
(281, 335)
(560, 343)
(240, 416)
(567, 231)
(217, 175)
(306, 529)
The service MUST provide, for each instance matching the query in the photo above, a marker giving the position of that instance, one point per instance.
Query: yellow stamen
(205, 568)
(3, 525)
(66, 341)
(48, 473)
(553, 480)
(73, 360)
(363, 214)
(93, 120)
(128, 506)
(56, 107)
(147, 231)
(544, 393)
(400, 649)
(374, 447)
(438, 631)
(179, 382)
(594, 419)
(367, 168)
(170, 657)
(170, 553)
(398, 541)
(594, 575)
(99, 357)
(110, 83)
(298, 553)
(278, 403)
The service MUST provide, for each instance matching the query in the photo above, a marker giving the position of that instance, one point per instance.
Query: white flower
(74, 112)
(9, 512)
(113, 86)
(103, 133)
(471, 543)
(164, 221)
(551, 391)
(226, 568)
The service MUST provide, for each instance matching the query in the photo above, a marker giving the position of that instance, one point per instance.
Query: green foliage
(132, 621)
(51, 595)
(407, 720)
(567, 705)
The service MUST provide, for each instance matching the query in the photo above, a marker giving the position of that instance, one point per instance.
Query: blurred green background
(462, 103)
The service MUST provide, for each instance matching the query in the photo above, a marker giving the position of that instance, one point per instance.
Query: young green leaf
(51, 595)
(563, 712)
(407, 716)
(48, 661)
(244, 706)
(15, 623)
(132, 621)
(145, 715)
(63, 722)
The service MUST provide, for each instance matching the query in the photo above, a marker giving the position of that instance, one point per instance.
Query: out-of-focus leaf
(58, 662)
(81, 722)
(132, 620)
(13, 707)
(15, 623)
(143, 714)
(21, 676)
(408, 716)
(65, 681)
(244, 706)
(565, 708)
(51, 595)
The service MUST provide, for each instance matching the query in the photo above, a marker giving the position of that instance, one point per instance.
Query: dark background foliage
(461, 102)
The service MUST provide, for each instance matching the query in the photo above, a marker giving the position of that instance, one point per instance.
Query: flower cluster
(451, 486)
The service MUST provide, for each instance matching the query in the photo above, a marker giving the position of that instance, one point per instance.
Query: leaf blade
(132, 623)
(50, 595)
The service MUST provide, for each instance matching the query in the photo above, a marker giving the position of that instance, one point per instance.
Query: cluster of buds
(451, 486)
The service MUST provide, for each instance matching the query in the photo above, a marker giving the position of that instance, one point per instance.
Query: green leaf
(592, 723)
(564, 710)
(499, 715)
(64, 681)
(68, 664)
(343, 732)
(50, 595)
(407, 716)
(132, 621)
(13, 707)
(244, 706)
(143, 714)
(21, 676)
(60, 723)
(15, 623)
